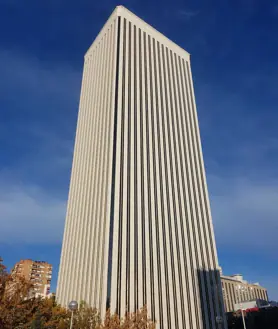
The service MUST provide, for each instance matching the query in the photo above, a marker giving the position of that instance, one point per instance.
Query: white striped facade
(138, 226)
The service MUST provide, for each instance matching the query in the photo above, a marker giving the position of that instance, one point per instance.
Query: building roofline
(121, 11)
(231, 278)
(109, 20)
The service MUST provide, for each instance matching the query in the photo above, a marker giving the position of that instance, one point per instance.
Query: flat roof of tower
(124, 12)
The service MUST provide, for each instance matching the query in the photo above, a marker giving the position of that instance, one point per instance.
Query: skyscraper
(138, 226)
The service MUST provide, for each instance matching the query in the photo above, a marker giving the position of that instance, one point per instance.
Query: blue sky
(234, 49)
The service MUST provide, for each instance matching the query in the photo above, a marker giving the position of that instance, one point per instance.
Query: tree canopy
(19, 310)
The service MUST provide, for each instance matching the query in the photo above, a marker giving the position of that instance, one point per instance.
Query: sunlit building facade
(37, 272)
(138, 226)
(236, 290)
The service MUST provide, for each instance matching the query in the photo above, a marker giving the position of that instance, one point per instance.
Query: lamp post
(73, 306)
(242, 315)
(219, 321)
(241, 310)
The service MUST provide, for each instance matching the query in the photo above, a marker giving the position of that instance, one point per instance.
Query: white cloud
(187, 14)
(37, 78)
(245, 212)
(37, 142)
(29, 215)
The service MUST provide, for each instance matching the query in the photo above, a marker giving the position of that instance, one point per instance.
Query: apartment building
(38, 272)
(236, 290)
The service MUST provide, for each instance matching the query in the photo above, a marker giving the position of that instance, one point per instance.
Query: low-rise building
(236, 290)
(39, 273)
(251, 304)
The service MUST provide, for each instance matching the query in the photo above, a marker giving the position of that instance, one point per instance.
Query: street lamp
(73, 306)
(242, 315)
(240, 301)
(219, 321)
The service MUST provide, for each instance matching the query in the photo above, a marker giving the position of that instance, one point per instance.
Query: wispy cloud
(187, 14)
(241, 152)
(30, 215)
(245, 212)
(40, 102)
(275, 10)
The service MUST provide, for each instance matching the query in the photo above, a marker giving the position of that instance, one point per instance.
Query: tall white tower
(138, 227)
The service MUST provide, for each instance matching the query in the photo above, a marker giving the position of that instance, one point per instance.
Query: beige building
(138, 226)
(236, 290)
(38, 272)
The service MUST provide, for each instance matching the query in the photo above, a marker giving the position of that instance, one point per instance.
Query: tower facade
(138, 226)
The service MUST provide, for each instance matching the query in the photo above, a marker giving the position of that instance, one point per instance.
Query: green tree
(56, 317)
(19, 310)
(136, 320)
(4, 276)
(87, 317)
(16, 309)
(37, 323)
